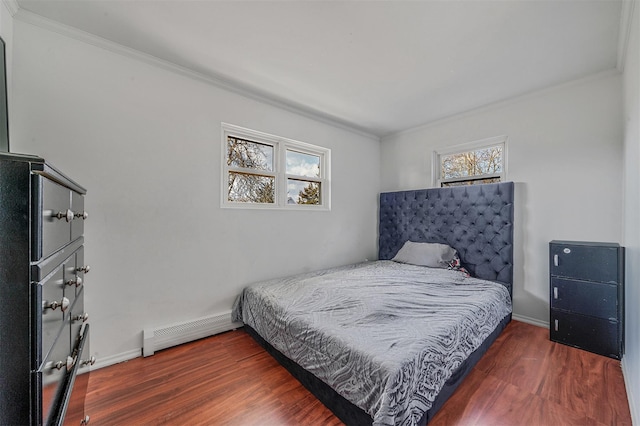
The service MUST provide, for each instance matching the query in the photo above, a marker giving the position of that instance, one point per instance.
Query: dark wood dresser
(44, 332)
(587, 296)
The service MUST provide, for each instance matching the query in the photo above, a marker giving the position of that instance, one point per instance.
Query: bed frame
(477, 221)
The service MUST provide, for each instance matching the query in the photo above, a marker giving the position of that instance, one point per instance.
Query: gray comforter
(386, 336)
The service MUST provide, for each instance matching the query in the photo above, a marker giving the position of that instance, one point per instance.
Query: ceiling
(379, 67)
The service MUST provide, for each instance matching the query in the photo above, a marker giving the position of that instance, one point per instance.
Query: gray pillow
(433, 255)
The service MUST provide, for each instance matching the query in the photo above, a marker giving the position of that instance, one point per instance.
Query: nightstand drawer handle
(556, 324)
(555, 260)
(555, 292)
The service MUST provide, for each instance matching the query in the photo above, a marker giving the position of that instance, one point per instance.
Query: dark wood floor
(524, 379)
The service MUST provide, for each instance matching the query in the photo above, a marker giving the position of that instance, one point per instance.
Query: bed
(388, 341)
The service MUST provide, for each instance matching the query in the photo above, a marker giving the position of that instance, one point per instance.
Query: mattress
(385, 336)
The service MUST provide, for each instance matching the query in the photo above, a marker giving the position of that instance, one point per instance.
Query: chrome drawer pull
(63, 304)
(83, 215)
(81, 317)
(77, 282)
(85, 421)
(555, 292)
(555, 260)
(68, 215)
(556, 324)
(68, 363)
(85, 269)
(89, 361)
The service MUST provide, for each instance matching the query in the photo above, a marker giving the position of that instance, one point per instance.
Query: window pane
(248, 188)
(249, 155)
(472, 163)
(303, 164)
(470, 182)
(302, 192)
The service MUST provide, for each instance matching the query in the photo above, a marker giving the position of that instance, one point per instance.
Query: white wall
(6, 32)
(631, 90)
(564, 153)
(146, 144)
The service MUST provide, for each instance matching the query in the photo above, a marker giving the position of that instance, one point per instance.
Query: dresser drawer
(76, 392)
(78, 318)
(62, 216)
(56, 216)
(55, 368)
(50, 301)
(77, 207)
(74, 274)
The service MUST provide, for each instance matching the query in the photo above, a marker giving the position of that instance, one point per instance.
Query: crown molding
(12, 6)
(212, 79)
(626, 23)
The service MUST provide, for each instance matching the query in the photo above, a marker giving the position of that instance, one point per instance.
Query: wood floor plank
(228, 379)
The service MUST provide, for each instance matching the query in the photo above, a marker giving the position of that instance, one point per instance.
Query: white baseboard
(172, 335)
(634, 408)
(208, 326)
(102, 362)
(529, 320)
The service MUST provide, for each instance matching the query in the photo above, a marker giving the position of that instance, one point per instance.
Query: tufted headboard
(476, 220)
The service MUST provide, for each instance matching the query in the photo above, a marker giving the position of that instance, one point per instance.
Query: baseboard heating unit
(177, 334)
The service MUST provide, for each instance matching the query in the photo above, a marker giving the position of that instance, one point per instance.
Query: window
(267, 171)
(474, 163)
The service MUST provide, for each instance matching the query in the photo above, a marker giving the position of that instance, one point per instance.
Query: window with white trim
(267, 171)
(477, 162)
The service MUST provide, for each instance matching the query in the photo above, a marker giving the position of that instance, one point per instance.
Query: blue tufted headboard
(476, 220)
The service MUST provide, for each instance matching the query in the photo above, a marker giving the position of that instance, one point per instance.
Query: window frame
(280, 147)
(436, 169)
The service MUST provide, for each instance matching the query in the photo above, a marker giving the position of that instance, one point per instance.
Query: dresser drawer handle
(77, 282)
(85, 269)
(89, 361)
(83, 215)
(85, 421)
(82, 317)
(68, 215)
(68, 364)
(62, 304)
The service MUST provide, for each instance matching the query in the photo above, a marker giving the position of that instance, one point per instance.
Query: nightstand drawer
(585, 262)
(584, 297)
(593, 334)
